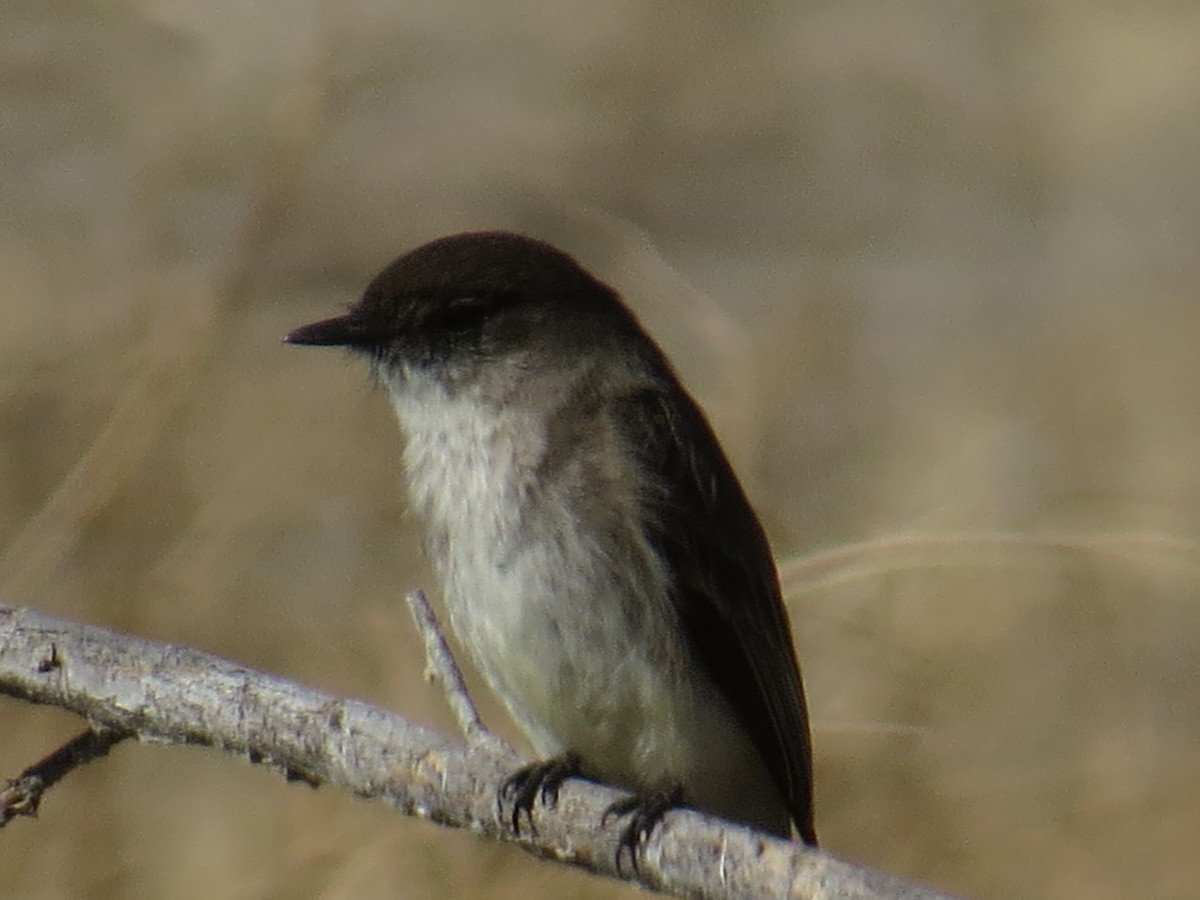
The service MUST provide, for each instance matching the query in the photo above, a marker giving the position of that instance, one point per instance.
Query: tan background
(932, 266)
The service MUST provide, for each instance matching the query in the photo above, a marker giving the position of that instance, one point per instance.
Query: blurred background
(930, 266)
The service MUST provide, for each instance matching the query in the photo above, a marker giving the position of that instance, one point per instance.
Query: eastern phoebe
(599, 559)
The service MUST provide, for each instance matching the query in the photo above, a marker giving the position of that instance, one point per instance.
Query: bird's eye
(463, 313)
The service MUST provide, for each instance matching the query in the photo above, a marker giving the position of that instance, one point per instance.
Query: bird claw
(646, 811)
(539, 779)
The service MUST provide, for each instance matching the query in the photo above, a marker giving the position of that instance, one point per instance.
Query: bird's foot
(539, 779)
(645, 811)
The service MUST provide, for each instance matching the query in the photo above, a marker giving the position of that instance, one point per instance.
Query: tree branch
(159, 692)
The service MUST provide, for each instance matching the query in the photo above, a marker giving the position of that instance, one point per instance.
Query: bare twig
(178, 695)
(23, 794)
(441, 664)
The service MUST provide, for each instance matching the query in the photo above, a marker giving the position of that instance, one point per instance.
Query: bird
(598, 557)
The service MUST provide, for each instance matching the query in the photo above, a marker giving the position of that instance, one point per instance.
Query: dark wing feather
(728, 598)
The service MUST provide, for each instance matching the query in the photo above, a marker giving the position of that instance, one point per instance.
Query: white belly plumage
(570, 624)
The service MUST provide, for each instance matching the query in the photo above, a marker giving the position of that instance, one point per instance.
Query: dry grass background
(931, 266)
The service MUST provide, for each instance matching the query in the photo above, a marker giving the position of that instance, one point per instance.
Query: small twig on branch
(23, 794)
(441, 664)
(177, 695)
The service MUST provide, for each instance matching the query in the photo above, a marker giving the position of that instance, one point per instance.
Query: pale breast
(545, 575)
(561, 601)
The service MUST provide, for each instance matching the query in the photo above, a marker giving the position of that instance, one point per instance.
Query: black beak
(342, 331)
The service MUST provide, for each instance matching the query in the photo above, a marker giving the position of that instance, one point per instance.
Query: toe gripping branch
(542, 780)
(645, 811)
(539, 779)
